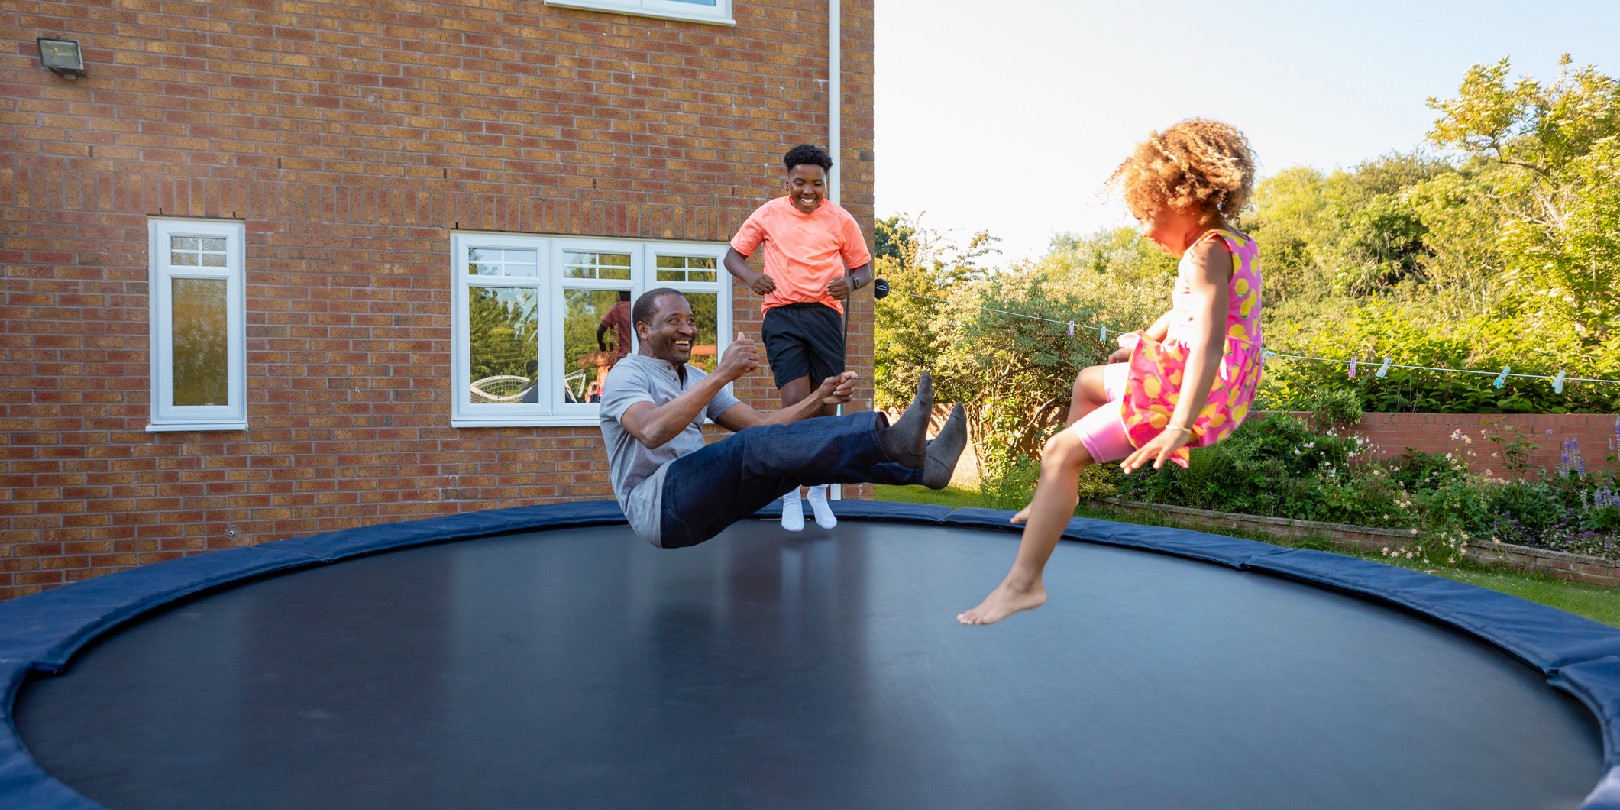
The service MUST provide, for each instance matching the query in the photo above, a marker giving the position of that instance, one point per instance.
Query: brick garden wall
(351, 138)
(1478, 438)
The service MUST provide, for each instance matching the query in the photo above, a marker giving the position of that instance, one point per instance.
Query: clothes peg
(1352, 367)
(1558, 383)
(1501, 379)
(1071, 328)
(1102, 334)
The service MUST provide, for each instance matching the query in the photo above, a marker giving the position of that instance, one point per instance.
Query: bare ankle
(1022, 581)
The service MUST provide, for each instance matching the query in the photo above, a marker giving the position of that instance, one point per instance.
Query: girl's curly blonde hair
(1197, 165)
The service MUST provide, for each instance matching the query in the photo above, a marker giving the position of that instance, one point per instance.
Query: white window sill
(581, 420)
(587, 5)
(175, 427)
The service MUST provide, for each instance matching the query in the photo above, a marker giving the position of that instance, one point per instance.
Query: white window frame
(719, 14)
(550, 284)
(165, 415)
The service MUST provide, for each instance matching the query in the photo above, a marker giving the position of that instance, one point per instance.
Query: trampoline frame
(44, 630)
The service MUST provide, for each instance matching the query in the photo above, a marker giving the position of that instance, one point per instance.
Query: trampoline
(544, 657)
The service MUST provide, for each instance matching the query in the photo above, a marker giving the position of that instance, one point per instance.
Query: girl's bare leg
(1089, 395)
(1049, 512)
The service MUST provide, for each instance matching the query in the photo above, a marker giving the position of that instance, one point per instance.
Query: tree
(1556, 145)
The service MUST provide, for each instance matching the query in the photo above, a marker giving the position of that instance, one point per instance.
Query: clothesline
(1102, 330)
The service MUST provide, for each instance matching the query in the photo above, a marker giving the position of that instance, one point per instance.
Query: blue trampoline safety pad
(40, 633)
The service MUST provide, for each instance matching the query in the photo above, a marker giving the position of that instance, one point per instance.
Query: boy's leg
(792, 510)
(824, 339)
(817, 496)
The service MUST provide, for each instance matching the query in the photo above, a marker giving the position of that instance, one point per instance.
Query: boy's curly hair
(807, 155)
(1194, 165)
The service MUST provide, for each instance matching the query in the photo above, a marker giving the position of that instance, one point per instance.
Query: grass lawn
(1592, 601)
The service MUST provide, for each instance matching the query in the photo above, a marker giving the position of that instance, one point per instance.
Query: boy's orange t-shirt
(803, 252)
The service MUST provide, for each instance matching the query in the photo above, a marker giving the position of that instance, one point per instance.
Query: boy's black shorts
(803, 340)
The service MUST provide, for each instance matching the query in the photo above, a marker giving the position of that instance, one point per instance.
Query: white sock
(818, 504)
(792, 511)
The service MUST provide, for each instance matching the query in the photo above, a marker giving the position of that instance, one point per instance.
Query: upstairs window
(198, 325)
(539, 320)
(709, 11)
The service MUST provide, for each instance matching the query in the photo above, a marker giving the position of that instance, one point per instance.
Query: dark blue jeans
(706, 491)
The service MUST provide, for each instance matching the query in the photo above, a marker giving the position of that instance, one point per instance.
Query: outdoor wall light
(62, 56)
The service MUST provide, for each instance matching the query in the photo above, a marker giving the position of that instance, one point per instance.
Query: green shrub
(1009, 482)
(1336, 409)
(1416, 471)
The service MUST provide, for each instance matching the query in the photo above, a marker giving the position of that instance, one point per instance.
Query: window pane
(504, 332)
(201, 342)
(197, 251)
(596, 333)
(502, 262)
(587, 264)
(703, 346)
(686, 268)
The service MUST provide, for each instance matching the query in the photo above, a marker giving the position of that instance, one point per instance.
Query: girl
(1187, 380)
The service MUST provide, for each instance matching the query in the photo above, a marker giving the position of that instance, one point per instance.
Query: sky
(1009, 116)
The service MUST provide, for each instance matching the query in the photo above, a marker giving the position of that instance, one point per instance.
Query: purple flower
(1569, 459)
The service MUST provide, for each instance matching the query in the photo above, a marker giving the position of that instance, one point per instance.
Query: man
(678, 491)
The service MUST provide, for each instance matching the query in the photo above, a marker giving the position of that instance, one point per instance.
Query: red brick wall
(1478, 438)
(351, 140)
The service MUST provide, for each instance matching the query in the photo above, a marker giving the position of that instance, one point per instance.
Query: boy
(809, 241)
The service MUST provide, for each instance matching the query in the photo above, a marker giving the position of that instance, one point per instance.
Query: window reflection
(686, 268)
(596, 333)
(703, 313)
(504, 332)
(591, 264)
(502, 262)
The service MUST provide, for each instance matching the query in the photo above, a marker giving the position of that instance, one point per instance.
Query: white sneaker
(823, 511)
(793, 513)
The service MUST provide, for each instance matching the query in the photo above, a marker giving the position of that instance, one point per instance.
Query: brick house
(278, 268)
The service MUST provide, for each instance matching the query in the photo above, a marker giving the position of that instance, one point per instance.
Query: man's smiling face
(667, 334)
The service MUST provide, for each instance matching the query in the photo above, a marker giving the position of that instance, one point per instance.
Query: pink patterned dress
(1154, 383)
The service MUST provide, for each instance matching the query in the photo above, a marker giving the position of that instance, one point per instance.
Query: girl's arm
(1210, 278)
(1160, 327)
(1155, 333)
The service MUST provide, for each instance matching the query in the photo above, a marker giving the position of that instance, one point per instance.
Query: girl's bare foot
(1004, 601)
(1021, 517)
